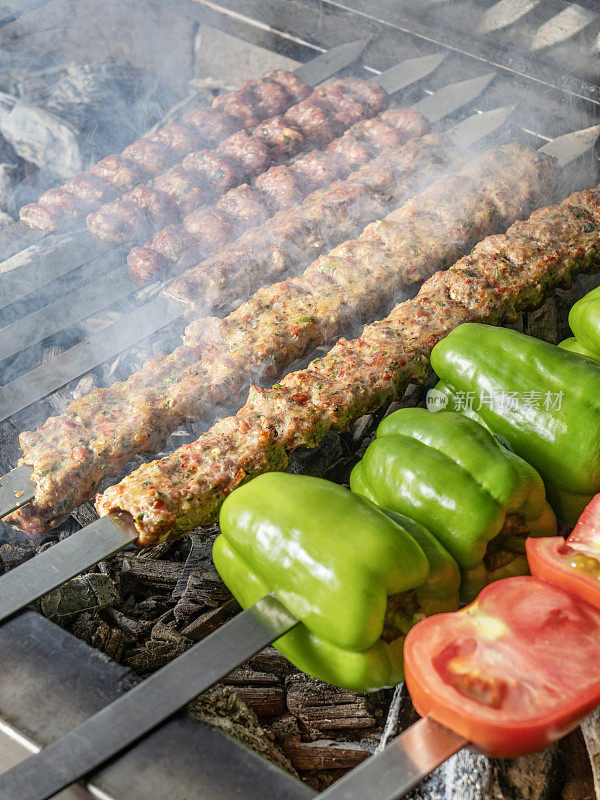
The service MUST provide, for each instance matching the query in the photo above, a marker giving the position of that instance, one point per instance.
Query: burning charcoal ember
(323, 707)
(223, 708)
(91, 592)
(146, 576)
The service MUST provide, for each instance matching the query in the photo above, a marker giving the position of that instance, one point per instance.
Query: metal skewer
(163, 310)
(59, 254)
(33, 582)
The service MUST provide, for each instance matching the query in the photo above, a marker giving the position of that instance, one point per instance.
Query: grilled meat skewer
(208, 228)
(230, 112)
(503, 274)
(99, 434)
(203, 175)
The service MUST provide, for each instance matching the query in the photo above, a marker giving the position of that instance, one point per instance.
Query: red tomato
(574, 564)
(513, 671)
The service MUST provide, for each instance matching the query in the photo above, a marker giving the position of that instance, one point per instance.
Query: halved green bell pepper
(356, 578)
(544, 400)
(584, 321)
(450, 474)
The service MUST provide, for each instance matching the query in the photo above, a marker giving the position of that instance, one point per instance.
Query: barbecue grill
(77, 321)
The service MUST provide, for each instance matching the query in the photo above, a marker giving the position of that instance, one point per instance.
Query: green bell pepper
(544, 400)
(584, 321)
(450, 474)
(356, 578)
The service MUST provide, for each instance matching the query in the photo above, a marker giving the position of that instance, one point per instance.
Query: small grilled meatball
(352, 152)
(119, 221)
(279, 137)
(89, 188)
(211, 171)
(243, 207)
(180, 139)
(70, 206)
(407, 122)
(48, 218)
(181, 187)
(374, 97)
(280, 187)
(312, 121)
(211, 126)
(208, 227)
(248, 156)
(157, 206)
(118, 173)
(268, 97)
(344, 111)
(145, 264)
(237, 105)
(295, 87)
(172, 241)
(378, 134)
(317, 169)
(152, 157)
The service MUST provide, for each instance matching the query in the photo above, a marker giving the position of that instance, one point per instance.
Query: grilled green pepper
(356, 578)
(544, 401)
(584, 321)
(450, 474)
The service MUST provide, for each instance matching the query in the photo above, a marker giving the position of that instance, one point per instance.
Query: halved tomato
(573, 564)
(510, 672)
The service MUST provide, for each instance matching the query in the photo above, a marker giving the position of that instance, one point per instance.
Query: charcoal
(146, 576)
(536, 777)
(99, 634)
(284, 729)
(319, 460)
(243, 675)
(10, 176)
(198, 558)
(153, 655)
(590, 728)
(223, 708)
(43, 138)
(204, 590)
(270, 660)
(209, 621)
(265, 701)
(132, 629)
(323, 707)
(325, 754)
(90, 592)
(543, 323)
(151, 608)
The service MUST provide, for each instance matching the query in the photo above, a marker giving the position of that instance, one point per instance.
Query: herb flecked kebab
(502, 275)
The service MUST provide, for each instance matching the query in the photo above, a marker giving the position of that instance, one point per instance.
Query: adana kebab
(99, 434)
(503, 274)
(206, 174)
(210, 227)
(115, 174)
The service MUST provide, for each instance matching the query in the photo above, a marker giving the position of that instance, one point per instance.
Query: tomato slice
(573, 564)
(512, 671)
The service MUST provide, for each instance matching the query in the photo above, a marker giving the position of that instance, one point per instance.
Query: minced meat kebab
(210, 227)
(503, 274)
(115, 174)
(99, 434)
